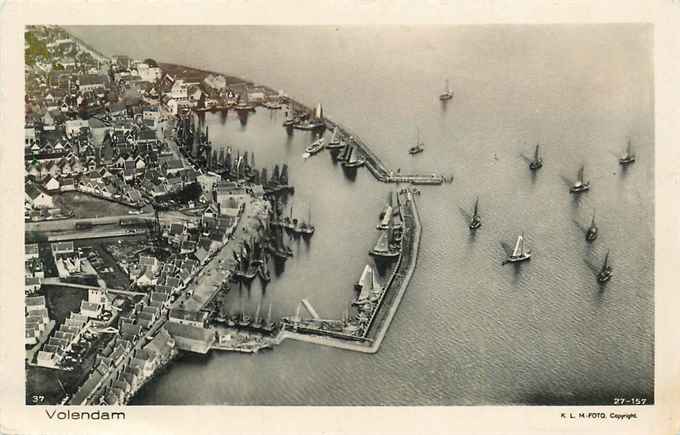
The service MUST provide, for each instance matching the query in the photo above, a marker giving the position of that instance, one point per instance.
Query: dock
(374, 164)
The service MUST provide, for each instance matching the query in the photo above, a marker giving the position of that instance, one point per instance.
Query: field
(88, 206)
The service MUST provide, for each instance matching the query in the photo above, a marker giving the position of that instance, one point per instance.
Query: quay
(380, 320)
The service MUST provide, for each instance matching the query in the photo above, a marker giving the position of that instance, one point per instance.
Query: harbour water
(469, 331)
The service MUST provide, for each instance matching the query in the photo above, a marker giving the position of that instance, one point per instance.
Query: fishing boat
(419, 146)
(263, 270)
(592, 232)
(606, 272)
(271, 104)
(520, 253)
(537, 162)
(268, 324)
(629, 156)
(257, 322)
(345, 153)
(243, 103)
(580, 185)
(476, 221)
(289, 121)
(288, 221)
(315, 147)
(306, 228)
(244, 321)
(353, 160)
(314, 122)
(447, 94)
(335, 142)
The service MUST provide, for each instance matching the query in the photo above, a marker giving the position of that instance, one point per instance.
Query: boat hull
(626, 161)
(580, 188)
(591, 235)
(518, 259)
(536, 165)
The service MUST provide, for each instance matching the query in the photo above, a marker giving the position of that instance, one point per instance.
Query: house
(92, 82)
(68, 184)
(194, 318)
(191, 338)
(32, 284)
(36, 197)
(34, 303)
(60, 249)
(31, 251)
(73, 127)
(51, 184)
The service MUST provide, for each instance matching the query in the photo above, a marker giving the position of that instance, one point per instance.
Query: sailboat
(606, 272)
(352, 159)
(476, 221)
(520, 253)
(317, 121)
(268, 324)
(335, 142)
(537, 162)
(290, 118)
(419, 146)
(345, 153)
(306, 228)
(315, 146)
(580, 185)
(591, 234)
(629, 156)
(447, 94)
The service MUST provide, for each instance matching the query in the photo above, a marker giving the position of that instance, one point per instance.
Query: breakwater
(396, 286)
(374, 164)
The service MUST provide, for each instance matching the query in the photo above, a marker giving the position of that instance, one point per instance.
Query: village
(122, 217)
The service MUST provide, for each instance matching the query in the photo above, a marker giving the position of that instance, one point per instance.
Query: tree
(152, 63)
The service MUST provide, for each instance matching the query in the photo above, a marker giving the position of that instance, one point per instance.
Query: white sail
(319, 111)
(519, 247)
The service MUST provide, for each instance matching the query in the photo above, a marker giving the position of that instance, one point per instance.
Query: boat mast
(592, 222)
(536, 154)
(580, 175)
(269, 313)
(519, 246)
(476, 208)
(606, 262)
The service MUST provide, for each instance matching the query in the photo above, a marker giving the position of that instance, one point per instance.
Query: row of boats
(344, 150)
(294, 225)
(244, 320)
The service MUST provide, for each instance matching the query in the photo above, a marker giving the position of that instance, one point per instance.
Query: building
(31, 251)
(92, 82)
(36, 197)
(184, 317)
(191, 338)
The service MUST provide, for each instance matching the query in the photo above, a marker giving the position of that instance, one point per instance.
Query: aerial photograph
(339, 215)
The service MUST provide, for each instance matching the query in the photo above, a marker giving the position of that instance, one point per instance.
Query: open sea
(469, 331)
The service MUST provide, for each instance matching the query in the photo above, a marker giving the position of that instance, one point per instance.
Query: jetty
(374, 164)
(371, 338)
